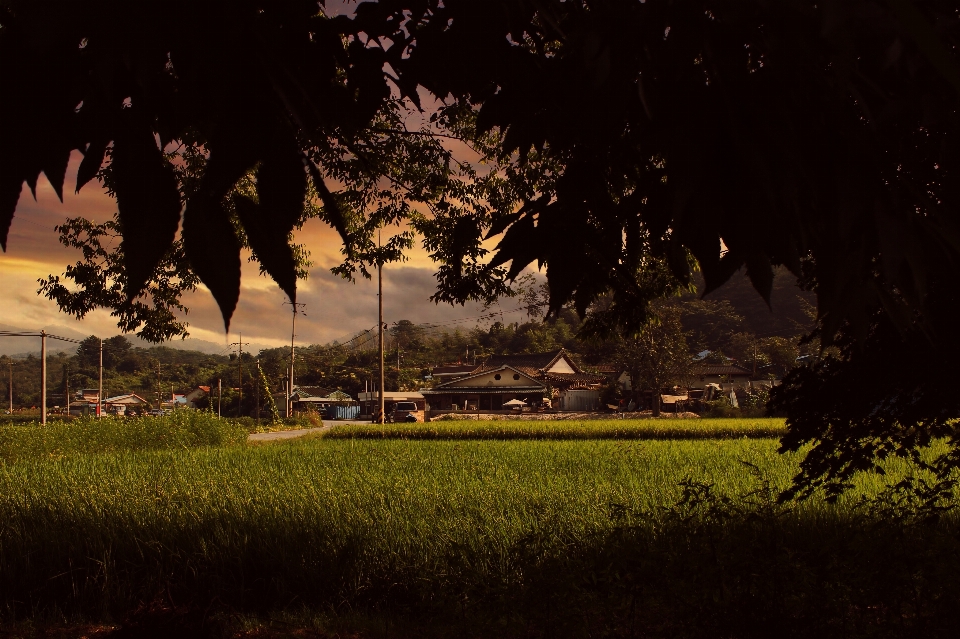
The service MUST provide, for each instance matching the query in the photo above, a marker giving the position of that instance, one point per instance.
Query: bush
(752, 403)
(182, 429)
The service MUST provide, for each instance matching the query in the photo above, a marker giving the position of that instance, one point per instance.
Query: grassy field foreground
(677, 538)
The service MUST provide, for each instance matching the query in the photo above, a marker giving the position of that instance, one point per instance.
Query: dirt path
(286, 434)
(300, 432)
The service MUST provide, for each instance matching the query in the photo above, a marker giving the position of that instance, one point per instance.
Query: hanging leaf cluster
(250, 81)
(816, 135)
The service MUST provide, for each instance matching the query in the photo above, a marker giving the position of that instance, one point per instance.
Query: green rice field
(666, 428)
(505, 532)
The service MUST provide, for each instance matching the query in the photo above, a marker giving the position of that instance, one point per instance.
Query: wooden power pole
(381, 418)
(43, 378)
(239, 346)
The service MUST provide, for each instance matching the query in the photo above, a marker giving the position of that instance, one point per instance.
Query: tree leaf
(269, 243)
(91, 163)
(148, 201)
(11, 183)
(717, 275)
(519, 245)
(760, 272)
(281, 186)
(927, 40)
(332, 210)
(213, 250)
(209, 239)
(501, 222)
(55, 168)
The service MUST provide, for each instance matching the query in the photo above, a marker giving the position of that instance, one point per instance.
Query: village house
(719, 374)
(487, 391)
(84, 402)
(451, 372)
(556, 369)
(196, 395)
(125, 404)
(553, 379)
(174, 402)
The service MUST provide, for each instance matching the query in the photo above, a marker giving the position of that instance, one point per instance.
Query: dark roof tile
(534, 361)
(456, 369)
(720, 369)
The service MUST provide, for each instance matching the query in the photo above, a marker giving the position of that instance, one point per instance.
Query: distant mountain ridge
(23, 346)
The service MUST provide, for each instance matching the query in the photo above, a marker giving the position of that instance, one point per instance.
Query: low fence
(343, 412)
(580, 400)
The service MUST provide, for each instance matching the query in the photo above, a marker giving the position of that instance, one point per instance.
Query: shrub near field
(183, 429)
(563, 430)
(488, 538)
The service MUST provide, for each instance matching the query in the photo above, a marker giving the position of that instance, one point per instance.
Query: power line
(41, 334)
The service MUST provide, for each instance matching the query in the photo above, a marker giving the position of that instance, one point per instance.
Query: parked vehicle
(406, 412)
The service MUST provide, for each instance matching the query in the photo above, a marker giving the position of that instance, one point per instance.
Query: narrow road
(300, 432)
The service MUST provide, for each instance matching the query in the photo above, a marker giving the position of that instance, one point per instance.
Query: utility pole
(43, 378)
(159, 392)
(293, 360)
(43, 335)
(66, 381)
(256, 389)
(381, 418)
(239, 346)
(219, 395)
(100, 388)
(293, 357)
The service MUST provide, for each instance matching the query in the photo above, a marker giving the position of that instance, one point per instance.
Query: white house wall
(561, 366)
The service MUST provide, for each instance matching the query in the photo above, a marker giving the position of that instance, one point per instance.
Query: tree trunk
(655, 402)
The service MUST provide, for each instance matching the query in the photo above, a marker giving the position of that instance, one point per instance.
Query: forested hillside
(126, 369)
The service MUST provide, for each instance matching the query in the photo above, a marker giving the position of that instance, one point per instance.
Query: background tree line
(727, 324)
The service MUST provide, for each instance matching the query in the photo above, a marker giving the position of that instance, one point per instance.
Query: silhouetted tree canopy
(629, 143)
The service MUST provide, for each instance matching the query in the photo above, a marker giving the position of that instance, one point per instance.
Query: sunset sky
(334, 309)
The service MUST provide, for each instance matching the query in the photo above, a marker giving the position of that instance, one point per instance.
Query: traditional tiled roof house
(530, 378)
(555, 368)
(718, 374)
(450, 372)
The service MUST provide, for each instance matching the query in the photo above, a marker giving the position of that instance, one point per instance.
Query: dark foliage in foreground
(891, 395)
